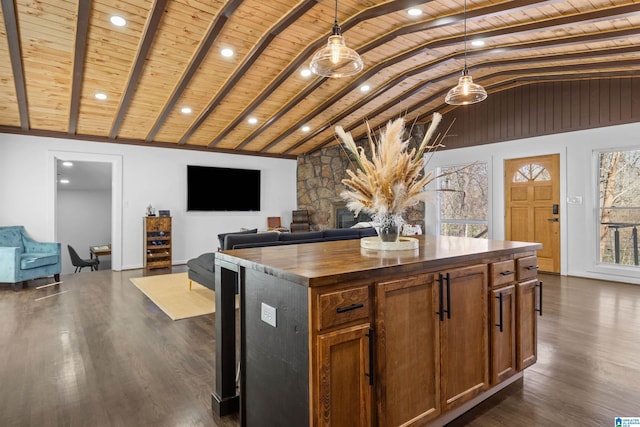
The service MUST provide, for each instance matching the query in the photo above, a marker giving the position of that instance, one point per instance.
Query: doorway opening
(86, 210)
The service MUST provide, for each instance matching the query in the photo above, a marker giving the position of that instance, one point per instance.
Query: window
(619, 206)
(531, 172)
(463, 202)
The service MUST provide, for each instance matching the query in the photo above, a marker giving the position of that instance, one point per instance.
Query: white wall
(578, 172)
(84, 220)
(148, 175)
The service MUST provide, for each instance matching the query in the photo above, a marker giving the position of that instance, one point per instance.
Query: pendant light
(336, 59)
(466, 92)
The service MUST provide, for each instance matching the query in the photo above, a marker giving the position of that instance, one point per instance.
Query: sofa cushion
(341, 234)
(285, 237)
(368, 232)
(12, 237)
(231, 240)
(33, 260)
(221, 236)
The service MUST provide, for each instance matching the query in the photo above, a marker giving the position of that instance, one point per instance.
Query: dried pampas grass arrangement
(393, 179)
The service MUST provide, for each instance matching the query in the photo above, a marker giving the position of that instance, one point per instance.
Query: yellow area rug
(170, 292)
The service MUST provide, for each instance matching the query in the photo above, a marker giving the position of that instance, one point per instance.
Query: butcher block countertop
(326, 263)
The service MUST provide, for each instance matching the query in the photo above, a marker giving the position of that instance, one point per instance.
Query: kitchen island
(333, 334)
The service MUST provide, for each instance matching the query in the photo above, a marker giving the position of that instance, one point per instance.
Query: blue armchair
(22, 258)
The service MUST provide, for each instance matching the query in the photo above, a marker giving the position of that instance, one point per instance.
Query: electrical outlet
(268, 314)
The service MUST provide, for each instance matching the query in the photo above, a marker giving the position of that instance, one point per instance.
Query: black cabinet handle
(539, 309)
(448, 310)
(371, 353)
(532, 267)
(440, 311)
(500, 325)
(507, 273)
(349, 308)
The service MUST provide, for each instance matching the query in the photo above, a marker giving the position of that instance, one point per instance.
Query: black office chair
(80, 263)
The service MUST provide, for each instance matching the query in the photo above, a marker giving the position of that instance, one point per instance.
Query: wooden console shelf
(157, 242)
(373, 338)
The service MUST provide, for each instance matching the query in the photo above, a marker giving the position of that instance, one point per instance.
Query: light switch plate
(574, 200)
(268, 314)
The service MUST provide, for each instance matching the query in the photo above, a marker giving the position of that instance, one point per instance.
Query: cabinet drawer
(342, 307)
(502, 273)
(527, 267)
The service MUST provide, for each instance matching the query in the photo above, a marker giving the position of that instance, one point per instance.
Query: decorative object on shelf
(466, 92)
(336, 59)
(164, 213)
(393, 180)
(151, 211)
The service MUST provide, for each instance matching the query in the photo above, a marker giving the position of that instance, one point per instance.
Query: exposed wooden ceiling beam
(203, 49)
(13, 40)
(141, 58)
(127, 141)
(82, 29)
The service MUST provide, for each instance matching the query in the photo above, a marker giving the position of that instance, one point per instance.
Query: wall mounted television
(222, 189)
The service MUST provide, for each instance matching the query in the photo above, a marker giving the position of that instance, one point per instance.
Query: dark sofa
(201, 269)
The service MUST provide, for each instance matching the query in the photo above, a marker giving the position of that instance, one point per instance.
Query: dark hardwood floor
(96, 352)
(588, 369)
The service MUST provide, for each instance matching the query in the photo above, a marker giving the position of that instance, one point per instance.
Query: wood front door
(532, 202)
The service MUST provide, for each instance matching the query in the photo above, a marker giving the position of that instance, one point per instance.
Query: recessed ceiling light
(414, 12)
(306, 128)
(67, 164)
(305, 72)
(101, 96)
(226, 52)
(64, 181)
(186, 110)
(118, 21)
(477, 43)
(252, 120)
(365, 88)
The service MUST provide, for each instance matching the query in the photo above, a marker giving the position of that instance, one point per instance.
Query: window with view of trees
(619, 207)
(463, 201)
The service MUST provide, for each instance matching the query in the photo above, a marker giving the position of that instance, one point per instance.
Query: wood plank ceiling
(58, 54)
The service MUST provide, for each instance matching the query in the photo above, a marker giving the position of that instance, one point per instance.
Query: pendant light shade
(466, 92)
(336, 59)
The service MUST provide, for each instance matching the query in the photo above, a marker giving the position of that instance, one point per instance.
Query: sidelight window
(463, 201)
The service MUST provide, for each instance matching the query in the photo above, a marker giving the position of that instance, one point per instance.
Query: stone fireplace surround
(320, 176)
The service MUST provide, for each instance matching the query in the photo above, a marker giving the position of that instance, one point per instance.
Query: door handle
(371, 354)
(552, 219)
(500, 325)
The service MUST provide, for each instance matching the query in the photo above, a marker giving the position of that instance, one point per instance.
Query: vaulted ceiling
(58, 54)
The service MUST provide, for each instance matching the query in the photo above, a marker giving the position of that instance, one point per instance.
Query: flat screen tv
(222, 189)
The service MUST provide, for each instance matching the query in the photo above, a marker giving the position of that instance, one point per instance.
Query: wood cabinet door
(503, 333)
(527, 322)
(464, 335)
(407, 351)
(345, 389)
